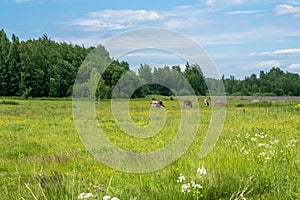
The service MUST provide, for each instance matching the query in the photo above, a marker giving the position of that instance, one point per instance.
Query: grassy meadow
(256, 157)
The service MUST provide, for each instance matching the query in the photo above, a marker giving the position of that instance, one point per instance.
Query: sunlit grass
(256, 157)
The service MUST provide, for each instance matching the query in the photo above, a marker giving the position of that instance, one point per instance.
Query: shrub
(5, 102)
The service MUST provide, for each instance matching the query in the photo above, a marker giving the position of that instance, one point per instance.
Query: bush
(5, 102)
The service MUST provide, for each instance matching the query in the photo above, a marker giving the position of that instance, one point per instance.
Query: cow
(157, 103)
(220, 104)
(206, 102)
(187, 103)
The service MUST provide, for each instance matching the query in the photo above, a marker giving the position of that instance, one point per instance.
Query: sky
(241, 37)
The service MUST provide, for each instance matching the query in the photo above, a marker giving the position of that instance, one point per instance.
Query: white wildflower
(85, 196)
(246, 152)
(180, 178)
(196, 185)
(106, 197)
(293, 140)
(114, 198)
(201, 171)
(291, 143)
(185, 187)
(262, 153)
(268, 158)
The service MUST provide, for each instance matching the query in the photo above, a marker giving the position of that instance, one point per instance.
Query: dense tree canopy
(38, 68)
(45, 68)
(272, 83)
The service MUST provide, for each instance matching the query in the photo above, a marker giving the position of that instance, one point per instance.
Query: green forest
(45, 68)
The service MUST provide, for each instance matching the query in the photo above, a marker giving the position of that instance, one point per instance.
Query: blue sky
(241, 36)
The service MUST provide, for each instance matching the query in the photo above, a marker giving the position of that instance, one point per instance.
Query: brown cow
(187, 103)
(220, 104)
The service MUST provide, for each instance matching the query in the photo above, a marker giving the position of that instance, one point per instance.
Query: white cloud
(181, 23)
(185, 17)
(224, 3)
(183, 7)
(241, 12)
(286, 9)
(294, 66)
(286, 51)
(268, 63)
(126, 15)
(114, 20)
(210, 2)
(278, 52)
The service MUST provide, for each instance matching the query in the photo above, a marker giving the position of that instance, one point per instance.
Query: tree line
(38, 68)
(45, 68)
(274, 82)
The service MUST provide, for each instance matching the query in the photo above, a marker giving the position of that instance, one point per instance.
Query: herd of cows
(186, 103)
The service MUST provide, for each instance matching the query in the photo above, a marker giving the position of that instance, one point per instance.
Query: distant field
(256, 157)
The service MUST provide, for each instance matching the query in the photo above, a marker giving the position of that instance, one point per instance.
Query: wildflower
(201, 171)
(106, 197)
(85, 195)
(253, 139)
(180, 178)
(246, 152)
(262, 154)
(114, 198)
(291, 143)
(261, 144)
(293, 140)
(268, 158)
(185, 187)
(196, 185)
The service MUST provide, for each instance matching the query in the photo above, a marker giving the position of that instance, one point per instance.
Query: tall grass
(256, 157)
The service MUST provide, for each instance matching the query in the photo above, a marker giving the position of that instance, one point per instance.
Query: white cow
(206, 102)
(157, 103)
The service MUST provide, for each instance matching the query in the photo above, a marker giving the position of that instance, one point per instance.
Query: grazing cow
(187, 103)
(157, 103)
(220, 104)
(206, 102)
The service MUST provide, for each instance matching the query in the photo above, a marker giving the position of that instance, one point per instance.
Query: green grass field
(256, 157)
